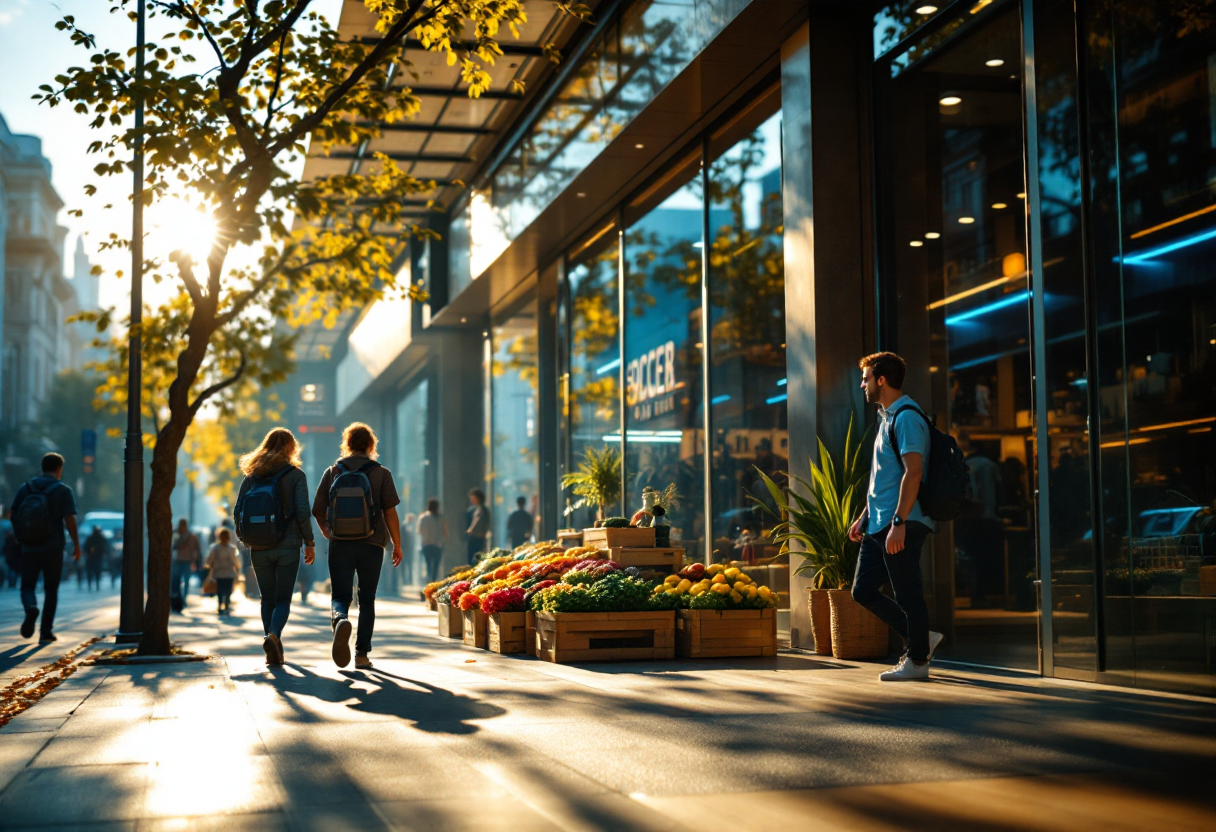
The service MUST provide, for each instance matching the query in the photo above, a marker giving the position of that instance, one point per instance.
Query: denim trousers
(906, 614)
(346, 559)
(179, 579)
(50, 565)
(276, 573)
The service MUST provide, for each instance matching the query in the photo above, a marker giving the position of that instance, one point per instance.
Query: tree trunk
(155, 638)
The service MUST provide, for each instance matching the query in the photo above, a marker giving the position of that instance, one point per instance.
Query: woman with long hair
(275, 464)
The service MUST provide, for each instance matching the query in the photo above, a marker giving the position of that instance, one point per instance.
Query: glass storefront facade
(514, 437)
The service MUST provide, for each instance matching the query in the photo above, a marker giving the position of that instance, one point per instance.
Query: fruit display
(715, 587)
(499, 565)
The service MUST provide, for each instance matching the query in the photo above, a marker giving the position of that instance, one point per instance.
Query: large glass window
(592, 396)
(514, 446)
(746, 335)
(664, 413)
(412, 464)
(956, 305)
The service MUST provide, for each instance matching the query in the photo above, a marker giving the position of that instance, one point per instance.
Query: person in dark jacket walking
(478, 515)
(276, 566)
(363, 556)
(96, 551)
(44, 556)
(519, 524)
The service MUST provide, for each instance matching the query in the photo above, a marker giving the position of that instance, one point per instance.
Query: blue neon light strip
(1186, 242)
(781, 382)
(609, 367)
(719, 399)
(1012, 300)
(776, 399)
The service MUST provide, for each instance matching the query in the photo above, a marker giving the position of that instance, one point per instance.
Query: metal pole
(131, 616)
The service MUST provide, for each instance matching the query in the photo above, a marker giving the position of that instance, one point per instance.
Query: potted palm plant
(817, 517)
(597, 481)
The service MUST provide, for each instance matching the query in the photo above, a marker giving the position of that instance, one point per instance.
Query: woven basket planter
(821, 620)
(856, 632)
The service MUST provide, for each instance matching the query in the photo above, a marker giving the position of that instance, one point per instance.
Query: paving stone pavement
(443, 737)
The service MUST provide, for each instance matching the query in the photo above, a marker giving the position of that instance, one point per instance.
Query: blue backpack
(261, 518)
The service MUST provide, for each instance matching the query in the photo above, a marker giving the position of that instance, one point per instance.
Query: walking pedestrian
(432, 534)
(187, 555)
(223, 564)
(11, 552)
(892, 528)
(356, 508)
(41, 509)
(271, 519)
(519, 524)
(478, 514)
(96, 551)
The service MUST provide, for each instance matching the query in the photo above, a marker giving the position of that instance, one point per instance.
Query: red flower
(458, 589)
(510, 599)
(469, 601)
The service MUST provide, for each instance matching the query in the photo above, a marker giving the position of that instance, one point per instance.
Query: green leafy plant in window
(597, 480)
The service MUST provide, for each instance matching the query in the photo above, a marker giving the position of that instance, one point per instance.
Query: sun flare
(178, 225)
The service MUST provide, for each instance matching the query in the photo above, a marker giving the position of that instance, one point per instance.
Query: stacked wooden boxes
(723, 633)
(605, 636)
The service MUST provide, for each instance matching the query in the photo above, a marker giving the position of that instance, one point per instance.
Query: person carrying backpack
(912, 483)
(41, 509)
(356, 508)
(271, 518)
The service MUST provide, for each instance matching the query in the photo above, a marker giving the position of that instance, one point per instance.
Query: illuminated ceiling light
(978, 7)
(932, 235)
(995, 62)
(966, 220)
(580, 194)
(1021, 196)
(916, 244)
(464, 320)
(926, 10)
(951, 101)
(999, 206)
(639, 145)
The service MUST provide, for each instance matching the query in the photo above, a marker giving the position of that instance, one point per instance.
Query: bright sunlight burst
(176, 224)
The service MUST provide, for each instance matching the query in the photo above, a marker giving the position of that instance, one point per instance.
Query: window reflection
(664, 418)
(515, 443)
(955, 217)
(747, 347)
(411, 468)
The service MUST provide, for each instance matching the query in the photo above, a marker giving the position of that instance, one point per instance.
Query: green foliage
(615, 523)
(597, 480)
(820, 521)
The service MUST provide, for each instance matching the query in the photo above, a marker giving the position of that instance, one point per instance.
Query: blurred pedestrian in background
(42, 508)
(96, 551)
(519, 524)
(10, 550)
(187, 555)
(432, 534)
(272, 520)
(478, 515)
(223, 564)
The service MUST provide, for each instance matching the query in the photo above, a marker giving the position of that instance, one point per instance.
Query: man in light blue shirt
(892, 528)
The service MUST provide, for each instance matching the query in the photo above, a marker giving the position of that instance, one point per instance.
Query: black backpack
(32, 521)
(352, 510)
(946, 488)
(262, 512)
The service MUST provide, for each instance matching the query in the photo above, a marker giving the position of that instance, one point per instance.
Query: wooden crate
(661, 560)
(507, 632)
(530, 632)
(703, 634)
(569, 538)
(450, 624)
(1207, 580)
(474, 630)
(605, 636)
(612, 538)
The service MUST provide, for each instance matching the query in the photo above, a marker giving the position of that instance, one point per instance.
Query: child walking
(224, 564)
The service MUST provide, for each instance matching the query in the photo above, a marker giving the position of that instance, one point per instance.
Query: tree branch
(189, 13)
(274, 91)
(218, 386)
(185, 270)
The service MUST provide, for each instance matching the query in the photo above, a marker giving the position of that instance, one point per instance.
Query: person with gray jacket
(276, 566)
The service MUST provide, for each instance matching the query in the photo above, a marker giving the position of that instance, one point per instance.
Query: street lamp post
(131, 616)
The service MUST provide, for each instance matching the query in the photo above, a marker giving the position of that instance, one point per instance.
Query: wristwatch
(897, 520)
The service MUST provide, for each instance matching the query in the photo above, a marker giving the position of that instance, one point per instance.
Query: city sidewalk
(442, 737)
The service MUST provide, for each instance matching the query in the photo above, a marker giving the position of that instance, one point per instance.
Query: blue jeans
(907, 614)
(346, 559)
(276, 573)
(179, 579)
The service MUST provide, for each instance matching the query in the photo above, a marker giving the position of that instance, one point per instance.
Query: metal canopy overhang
(717, 80)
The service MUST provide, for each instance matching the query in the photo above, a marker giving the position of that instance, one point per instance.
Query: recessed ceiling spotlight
(999, 206)
(995, 62)
(926, 10)
(464, 320)
(916, 244)
(931, 235)
(966, 220)
(580, 194)
(1021, 196)
(639, 145)
(951, 101)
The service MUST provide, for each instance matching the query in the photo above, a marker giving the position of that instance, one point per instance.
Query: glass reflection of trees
(747, 328)
(515, 448)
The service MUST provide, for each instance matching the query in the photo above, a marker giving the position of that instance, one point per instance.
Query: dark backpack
(946, 488)
(32, 521)
(352, 510)
(261, 516)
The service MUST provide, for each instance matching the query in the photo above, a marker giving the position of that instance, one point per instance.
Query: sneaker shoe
(47, 638)
(341, 648)
(906, 671)
(274, 653)
(27, 626)
(362, 662)
(935, 638)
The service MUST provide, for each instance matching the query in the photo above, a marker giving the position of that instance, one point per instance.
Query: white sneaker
(907, 671)
(935, 638)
